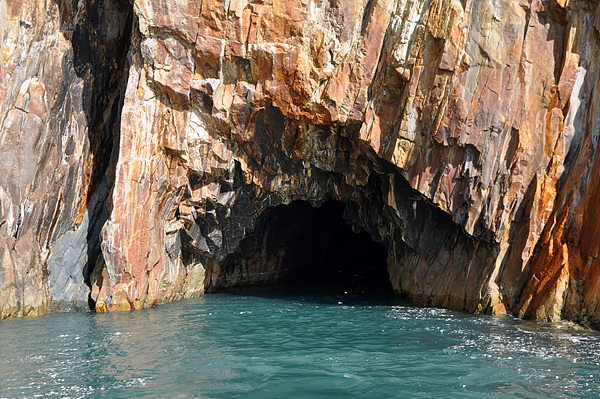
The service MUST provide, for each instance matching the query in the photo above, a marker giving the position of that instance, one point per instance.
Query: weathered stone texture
(57, 105)
(462, 135)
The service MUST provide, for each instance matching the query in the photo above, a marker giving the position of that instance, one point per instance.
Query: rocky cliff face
(61, 87)
(148, 145)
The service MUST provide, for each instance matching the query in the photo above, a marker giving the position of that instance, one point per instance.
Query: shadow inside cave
(315, 252)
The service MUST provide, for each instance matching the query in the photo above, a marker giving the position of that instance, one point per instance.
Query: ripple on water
(235, 346)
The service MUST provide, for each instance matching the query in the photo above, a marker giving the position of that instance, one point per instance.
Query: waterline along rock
(148, 147)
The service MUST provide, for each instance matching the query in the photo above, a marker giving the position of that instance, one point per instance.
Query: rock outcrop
(145, 145)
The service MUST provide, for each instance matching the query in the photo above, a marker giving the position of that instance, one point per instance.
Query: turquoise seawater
(294, 346)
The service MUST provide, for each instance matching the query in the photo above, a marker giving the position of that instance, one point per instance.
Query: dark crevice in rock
(100, 45)
(100, 33)
(366, 16)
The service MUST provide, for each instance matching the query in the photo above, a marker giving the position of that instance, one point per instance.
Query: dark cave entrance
(324, 254)
(306, 249)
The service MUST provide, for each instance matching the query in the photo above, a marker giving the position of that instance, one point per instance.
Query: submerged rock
(144, 142)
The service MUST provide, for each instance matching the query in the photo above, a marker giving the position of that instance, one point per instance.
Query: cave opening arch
(302, 248)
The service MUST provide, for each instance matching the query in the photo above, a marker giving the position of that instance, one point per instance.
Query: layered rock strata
(144, 143)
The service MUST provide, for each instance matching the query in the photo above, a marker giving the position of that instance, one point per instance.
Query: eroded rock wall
(60, 81)
(460, 134)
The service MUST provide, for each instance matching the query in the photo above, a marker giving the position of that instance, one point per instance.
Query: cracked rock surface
(146, 144)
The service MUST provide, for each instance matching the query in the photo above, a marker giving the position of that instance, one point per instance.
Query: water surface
(294, 346)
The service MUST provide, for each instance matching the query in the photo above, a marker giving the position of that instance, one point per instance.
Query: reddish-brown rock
(60, 81)
(462, 135)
